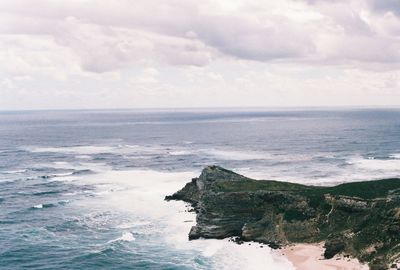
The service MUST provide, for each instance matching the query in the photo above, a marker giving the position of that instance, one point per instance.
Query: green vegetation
(365, 190)
(255, 185)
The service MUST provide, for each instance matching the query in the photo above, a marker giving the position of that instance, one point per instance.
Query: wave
(63, 202)
(49, 205)
(142, 194)
(235, 155)
(179, 153)
(132, 224)
(250, 255)
(84, 150)
(126, 237)
(223, 154)
(82, 172)
(47, 176)
(69, 176)
(43, 205)
(54, 176)
(375, 164)
(70, 168)
(43, 193)
(14, 171)
(128, 151)
(72, 193)
(395, 156)
(83, 157)
(132, 151)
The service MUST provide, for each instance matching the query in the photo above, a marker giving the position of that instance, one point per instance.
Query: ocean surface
(85, 189)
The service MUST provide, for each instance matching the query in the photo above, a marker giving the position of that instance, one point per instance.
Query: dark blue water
(84, 189)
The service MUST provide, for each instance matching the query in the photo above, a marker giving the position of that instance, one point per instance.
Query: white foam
(250, 257)
(131, 148)
(235, 155)
(85, 151)
(126, 237)
(14, 171)
(396, 155)
(141, 193)
(66, 178)
(376, 164)
(63, 201)
(74, 166)
(129, 225)
(179, 153)
(71, 193)
(62, 174)
(73, 149)
(83, 157)
(223, 154)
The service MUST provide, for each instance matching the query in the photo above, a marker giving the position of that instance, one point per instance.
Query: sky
(87, 54)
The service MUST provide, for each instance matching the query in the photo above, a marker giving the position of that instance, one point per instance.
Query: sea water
(85, 189)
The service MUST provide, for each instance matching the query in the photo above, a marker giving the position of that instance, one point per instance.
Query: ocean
(85, 189)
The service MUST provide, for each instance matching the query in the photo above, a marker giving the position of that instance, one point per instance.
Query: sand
(310, 256)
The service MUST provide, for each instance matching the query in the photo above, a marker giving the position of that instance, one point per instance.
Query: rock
(361, 219)
(378, 266)
(333, 247)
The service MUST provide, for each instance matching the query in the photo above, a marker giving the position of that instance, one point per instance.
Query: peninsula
(359, 219)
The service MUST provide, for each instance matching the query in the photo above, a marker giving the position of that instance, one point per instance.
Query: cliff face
(361, 219)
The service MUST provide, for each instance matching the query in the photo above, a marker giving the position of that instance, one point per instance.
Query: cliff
(361, 219)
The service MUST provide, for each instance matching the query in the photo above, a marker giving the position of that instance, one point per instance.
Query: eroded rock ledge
(361, 219)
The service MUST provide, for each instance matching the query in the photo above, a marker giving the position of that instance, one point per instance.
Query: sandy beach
(310, 256)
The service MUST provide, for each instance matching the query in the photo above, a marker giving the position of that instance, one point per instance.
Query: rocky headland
(359, 219)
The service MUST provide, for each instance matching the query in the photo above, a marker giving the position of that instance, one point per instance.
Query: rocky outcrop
(360, 219)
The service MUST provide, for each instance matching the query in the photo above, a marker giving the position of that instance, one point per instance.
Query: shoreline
(310, 256)
(230, 204)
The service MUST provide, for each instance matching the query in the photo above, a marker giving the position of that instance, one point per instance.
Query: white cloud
(188, 33)
(198, 53)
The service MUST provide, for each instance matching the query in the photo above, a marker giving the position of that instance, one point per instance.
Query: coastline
(310, 256)
(228, 204)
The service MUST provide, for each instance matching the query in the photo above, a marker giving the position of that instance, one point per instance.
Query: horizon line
(391, 107)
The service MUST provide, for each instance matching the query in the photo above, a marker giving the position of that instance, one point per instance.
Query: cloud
(114, 35)
(102, 45)
(386, 6)
(246, 39)
(198, 53)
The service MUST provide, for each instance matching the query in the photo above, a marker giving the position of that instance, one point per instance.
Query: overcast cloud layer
(158, 53)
